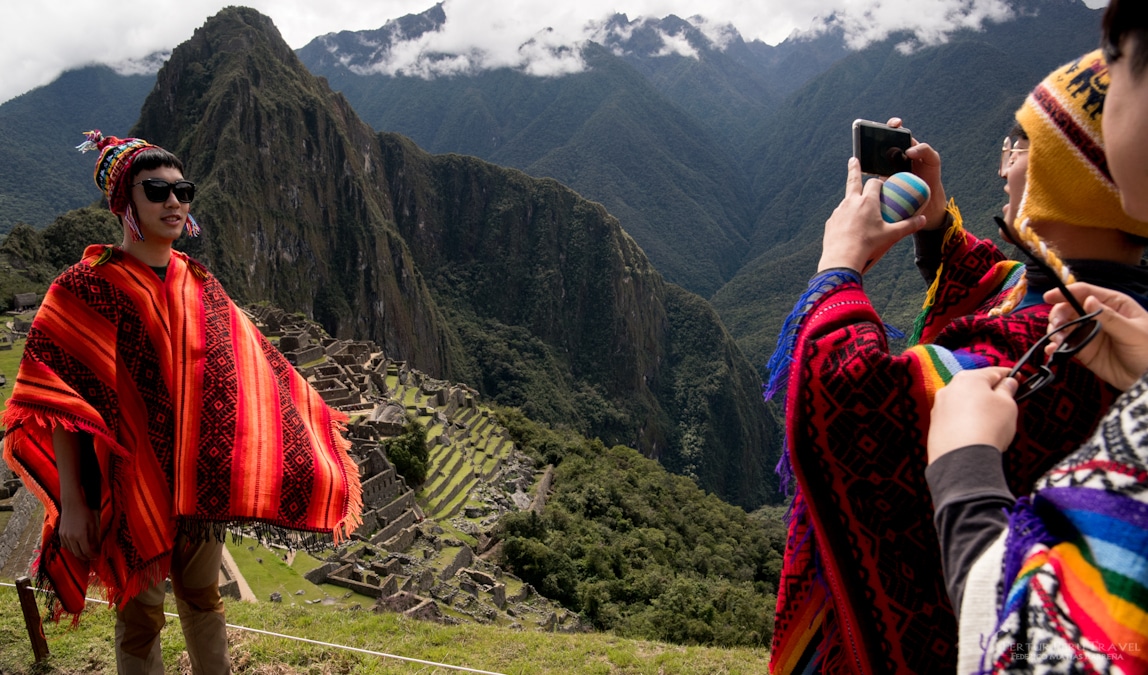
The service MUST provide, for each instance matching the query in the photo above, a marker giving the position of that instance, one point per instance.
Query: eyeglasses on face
(1007, 151)
(1081, 331)
(157, 190)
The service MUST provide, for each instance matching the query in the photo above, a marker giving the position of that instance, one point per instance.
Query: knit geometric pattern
(1067, 179)
(862, 548)
(973, 273)
(113, 166)
(197, 421)
(1079, 604)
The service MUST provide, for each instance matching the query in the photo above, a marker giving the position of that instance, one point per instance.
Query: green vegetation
(641, 552)
(41, 174)
(9, 365)
(268, 571)
(30, 259)
(408, 452)
(88, 647)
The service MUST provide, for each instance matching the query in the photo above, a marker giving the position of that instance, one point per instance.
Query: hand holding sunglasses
(1119, 355)
(157, 190)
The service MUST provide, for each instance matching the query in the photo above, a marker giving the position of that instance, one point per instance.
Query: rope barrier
(316, 642)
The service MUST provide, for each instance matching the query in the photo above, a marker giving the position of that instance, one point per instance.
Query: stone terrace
(475, 475)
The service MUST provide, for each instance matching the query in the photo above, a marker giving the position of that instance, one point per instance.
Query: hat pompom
(92, 140)
(115, 160)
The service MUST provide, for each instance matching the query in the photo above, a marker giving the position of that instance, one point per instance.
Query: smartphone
(881, 148)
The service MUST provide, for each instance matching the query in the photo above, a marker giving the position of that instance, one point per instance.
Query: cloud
(864, 22)
(548, 43)
(537, 36)
(148, 65)
(474, 38)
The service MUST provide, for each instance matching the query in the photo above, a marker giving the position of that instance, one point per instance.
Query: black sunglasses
(1081, 330)
(157, 190)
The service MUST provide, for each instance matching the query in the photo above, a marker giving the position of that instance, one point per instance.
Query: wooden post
(32, 618)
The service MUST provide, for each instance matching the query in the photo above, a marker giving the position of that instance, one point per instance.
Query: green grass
(445, 472)
(468, 539)
(311, 364)
(9, 364)
(274, 575)
(88, 647)
(445, 556)
(447, 510)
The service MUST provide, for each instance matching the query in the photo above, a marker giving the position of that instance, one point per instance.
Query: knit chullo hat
(114, 165)
(1068, 179)
(112, 171)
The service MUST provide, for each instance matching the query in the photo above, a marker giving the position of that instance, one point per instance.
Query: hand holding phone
(881, 148)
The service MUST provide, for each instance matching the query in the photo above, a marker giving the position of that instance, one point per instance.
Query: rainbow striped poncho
(197, 421)
(1076, 560)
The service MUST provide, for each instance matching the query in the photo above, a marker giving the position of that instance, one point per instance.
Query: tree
(409, 454)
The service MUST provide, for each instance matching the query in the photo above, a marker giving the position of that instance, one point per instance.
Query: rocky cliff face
(469, 271)
(290, 183)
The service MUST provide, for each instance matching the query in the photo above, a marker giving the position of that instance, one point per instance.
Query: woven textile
(1068, 179)
(1079, 602)
(198, 421)
(861, 588)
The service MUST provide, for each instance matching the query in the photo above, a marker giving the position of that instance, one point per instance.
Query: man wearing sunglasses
(1066, 569)
(149, 415)
(862, 549)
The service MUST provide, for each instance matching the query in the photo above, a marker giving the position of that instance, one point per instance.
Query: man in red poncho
(149, 414)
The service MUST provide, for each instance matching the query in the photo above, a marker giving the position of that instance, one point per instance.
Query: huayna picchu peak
(514, 285)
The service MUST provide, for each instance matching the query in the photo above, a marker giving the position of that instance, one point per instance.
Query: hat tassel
(191, 226)
(132, 223)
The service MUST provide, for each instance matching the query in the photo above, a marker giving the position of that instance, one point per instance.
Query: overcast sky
(42, 38)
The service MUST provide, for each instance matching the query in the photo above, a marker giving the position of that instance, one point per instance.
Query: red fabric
(857, 425)
(195, 417)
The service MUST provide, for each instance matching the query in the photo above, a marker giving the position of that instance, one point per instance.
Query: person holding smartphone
(1064, 560)
(149, 414)
(862, 588)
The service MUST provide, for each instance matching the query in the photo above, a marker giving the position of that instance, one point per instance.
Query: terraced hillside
(417, 552)
(425, 542)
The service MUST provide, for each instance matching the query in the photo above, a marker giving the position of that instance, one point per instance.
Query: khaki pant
(195, 584)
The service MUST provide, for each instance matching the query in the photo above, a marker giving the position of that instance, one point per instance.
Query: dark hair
(1018, 132)
(154, 158)
(1122, 20)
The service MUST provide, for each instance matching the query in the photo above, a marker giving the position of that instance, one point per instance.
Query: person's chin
(1135, 206)
(171, 231)
(167, 235)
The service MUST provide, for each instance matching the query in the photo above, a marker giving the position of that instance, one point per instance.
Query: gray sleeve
(970, 502)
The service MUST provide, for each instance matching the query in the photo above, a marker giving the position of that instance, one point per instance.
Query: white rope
(314, 642)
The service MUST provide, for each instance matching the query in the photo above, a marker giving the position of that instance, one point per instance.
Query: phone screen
(881, 148)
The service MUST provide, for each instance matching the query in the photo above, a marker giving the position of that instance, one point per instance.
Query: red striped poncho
(861, 588)
(197, 421)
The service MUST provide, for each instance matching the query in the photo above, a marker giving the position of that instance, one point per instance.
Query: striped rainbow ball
(902, 195)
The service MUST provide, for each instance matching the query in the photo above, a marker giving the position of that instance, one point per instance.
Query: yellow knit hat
(1068, 179)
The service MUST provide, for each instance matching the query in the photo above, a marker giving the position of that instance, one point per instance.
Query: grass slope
(88, 648)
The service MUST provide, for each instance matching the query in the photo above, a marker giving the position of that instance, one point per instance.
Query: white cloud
(866, 21)
(538, 36)
(719, 33)
(148, 65)
(676, 44)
